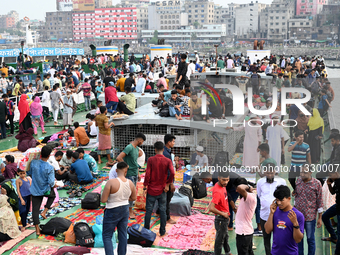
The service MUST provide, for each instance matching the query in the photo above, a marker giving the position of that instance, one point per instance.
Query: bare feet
(37, 230)
(171, 221)
(43, 215)
(99, 162)
(23, 229)
(230, 229)
(44, 132)
(131, 214)
(178, 117)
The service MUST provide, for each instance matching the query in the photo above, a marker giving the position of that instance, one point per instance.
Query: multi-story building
(247, 19)
(103, 3)
(299, 28)
(14, 15)
(83, 25)
(207, 33)
(222, 16)
(7, 21)
(309, 7)
(142, 19)
(166, 15)
(116, 23)
(200, 11)
(58, 26)
(279, 14)
(263, 24)
(133, 2)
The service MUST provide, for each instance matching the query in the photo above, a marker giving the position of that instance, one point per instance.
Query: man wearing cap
(68, 108)
(201, 158)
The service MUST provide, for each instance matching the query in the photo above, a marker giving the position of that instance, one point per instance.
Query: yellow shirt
(121, 83)
(5, 71)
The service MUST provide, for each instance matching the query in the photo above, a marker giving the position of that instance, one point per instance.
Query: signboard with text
(64, 5)
(36, 52)
(83, 5)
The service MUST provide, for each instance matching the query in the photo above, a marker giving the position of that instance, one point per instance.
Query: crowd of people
(264, 148)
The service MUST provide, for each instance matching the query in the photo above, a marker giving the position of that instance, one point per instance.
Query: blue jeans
(173, 111)
(134, 181)
(115, 217)
(111, 106)
(87, 102)
(310, 233)
(234, 196)
(331, 212)
(150, 203)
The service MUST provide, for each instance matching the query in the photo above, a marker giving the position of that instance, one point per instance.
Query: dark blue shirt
(167, 153)
(294, 112)
(82, 170)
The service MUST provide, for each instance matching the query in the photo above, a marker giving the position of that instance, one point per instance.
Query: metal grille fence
(187, 139)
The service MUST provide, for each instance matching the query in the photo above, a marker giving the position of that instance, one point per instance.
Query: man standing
(182, 71)
(86, 88)
(117, 194)
(156, 185)
(169, 141)
(3, 118)
(265, 191)
(308, 200)
(286, 223)
(130, 155)
(275, 140)
(243, 220)
(219, 206)
(300, 156)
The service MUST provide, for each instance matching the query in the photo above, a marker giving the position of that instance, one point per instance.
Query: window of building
(196, 6)
(202, 10)
(203, 20)
(277, 23)
(271, 23)
(307, 23)
(301, 23)
(189, 16)
(196, 16)
(283, 17)
(277, 17)
(251, 10)
(202, 16)
(283, 23)
(203, 5)
(196, 10)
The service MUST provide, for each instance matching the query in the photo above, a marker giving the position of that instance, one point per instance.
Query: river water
(334, 78)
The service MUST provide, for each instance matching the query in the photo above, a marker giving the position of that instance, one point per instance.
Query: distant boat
(333, 66)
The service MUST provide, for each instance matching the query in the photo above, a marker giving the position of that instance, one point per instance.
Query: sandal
(329, 239)
(79, 194)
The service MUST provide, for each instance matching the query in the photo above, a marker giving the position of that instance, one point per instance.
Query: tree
(154, 39)
(196, 24)
(193, 36)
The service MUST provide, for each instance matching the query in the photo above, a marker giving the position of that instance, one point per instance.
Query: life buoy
(26, 19)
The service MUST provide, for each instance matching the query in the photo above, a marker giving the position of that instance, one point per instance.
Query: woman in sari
(25, 115)
(26, 139)
(13, 199)
(37, 117)
(316, 129)
(9, 228)
(104, 135)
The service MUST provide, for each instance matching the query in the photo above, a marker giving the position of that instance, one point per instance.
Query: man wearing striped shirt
(300, 156)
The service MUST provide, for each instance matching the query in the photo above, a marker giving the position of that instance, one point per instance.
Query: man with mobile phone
(286, 223)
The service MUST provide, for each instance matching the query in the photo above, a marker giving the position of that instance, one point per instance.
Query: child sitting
(23, 184)
(10, 168)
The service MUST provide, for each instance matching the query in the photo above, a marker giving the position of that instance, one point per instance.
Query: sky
(36, 9)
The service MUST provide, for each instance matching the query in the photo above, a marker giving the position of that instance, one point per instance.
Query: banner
(36, 52)
(83, 5)
(64, 5)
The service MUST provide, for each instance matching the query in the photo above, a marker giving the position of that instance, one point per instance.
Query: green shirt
(131, 159)
(278, 83)
(130, 101)
(220, 63)
(268, 160)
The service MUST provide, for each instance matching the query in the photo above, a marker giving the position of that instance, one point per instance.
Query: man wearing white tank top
(117, 194)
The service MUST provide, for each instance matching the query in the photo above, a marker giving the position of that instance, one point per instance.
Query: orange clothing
(81, 136)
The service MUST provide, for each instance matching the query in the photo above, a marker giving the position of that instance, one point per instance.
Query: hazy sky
(36, 9)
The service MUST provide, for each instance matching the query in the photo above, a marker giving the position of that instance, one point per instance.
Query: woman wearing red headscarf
(25, 115)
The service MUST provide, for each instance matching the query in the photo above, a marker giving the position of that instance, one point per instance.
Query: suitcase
(141, 236)
(91, 201)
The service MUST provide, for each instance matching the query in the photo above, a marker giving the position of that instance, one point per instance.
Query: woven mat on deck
(5, 246)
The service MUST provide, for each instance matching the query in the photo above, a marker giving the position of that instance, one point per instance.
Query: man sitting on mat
(80, 134)
(80, 172)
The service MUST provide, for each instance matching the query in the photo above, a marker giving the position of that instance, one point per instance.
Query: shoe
(257, 232)
(79, 194)
(69, 191)
(72, 195)
(254, 247)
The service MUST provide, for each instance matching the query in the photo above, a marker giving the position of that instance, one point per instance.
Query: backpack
(84, 234)
(199, 188)
(91, 201)
(221, 159)
(164, 112)
(140, 235)
(55, 226)
(186, 189)
(94, 155)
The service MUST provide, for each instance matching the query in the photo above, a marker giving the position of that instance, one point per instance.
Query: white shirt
(113, 172)
(45, 99)
(202, 160)
(265, 192)
(52, 72)
(53, 162)
(191, 70)
(197, 58)
(95, 73)
(140, 87)
(150, 77)
(230, 63)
